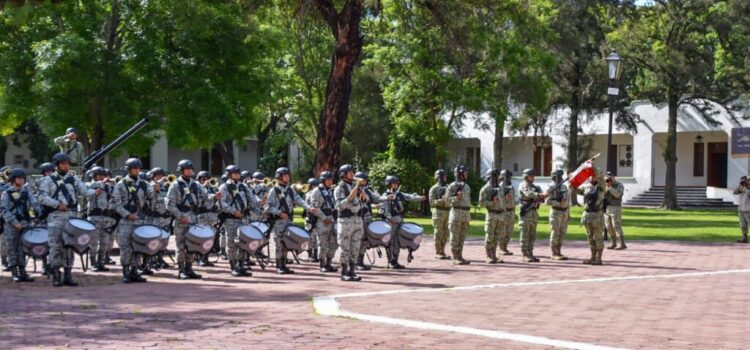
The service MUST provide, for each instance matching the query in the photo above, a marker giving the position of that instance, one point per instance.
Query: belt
(591, 210)
(495, 211)
(559, 208)
(442, 208)
(462, 208)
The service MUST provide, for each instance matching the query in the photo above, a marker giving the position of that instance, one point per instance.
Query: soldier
(530, 195)
(260, 190)
(323, 226)
(132, 196)
(394, 209)
(4, 185)
(492, 196)
(310, 221)
(20, 208)
(459, 198)
(208, 211)
(440, 213)
(593, 217)
(159, 213)
(59, 194)
(743, 209)
(45, 170)
(350, 202)
(235, 205)
(373, 197)
(70, 145)
(101, 213)
(613, 213)
(279, 207)
(184, 197)
(509, 216)
(559, 215)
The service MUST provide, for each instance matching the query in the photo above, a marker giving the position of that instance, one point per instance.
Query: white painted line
(329, 306)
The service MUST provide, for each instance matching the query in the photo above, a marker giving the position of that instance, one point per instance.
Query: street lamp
(614, 62)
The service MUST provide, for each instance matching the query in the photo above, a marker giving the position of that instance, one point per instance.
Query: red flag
(584, 171)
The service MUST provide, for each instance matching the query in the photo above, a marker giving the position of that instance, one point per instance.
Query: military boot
(526, 256)
(234, 269)
(322, 264)
(99, 264)
(504, 249)
(45, 267)
(458, 258)
(491, 258)
(531, 255)
(135, 276)
(743, 239)
(345, 273)
(393, 264)
(14, 274)
(329, 265)
(68, 277)
(191, 274)
(126, 274)
(244, 271)
(614, 243)
(592, 259)
(223, 254)
(598, 259)
(361, 264)
(23, 275)
(560, 255)
(353, 274)
(108, 260)
(622, 244)
(183, 274)
(56, 277)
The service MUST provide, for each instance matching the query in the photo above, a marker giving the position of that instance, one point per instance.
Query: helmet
(345, 169)
(45, 167)
(233, 169)
(557, 175)
(156, 171)
(361, 175)
(258, 175)
(528, 172)
(390, 179)
(97, 170)
(281, 171)
(224, 178)
(244, 174)
(107, 172)
(143, 175)
(59, 158)
(16, 173)
(202, 174)
(439, 174)
(71, 131)
(184, 164)
(492, 176)
(458, 170)
(325, 175)
(312, 182)
(133, 163)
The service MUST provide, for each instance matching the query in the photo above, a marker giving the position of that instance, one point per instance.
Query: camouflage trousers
(314, 245)
(558, 222)
(234, 252)
(278, 232)
(440, 225)
(12, 240)
(59, 255)
(125, 234)
(394, 247)
(101, 239)
(458, 224)
(366, 220)
(527, 226)
(3, 249)
(509, 222)
(180, 244)
(326, 237)
(349, 232)
(744, 221)
(494, 226)
(613, 219)
(594, 224)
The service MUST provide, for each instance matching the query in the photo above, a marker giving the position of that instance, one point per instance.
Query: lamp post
(615, 65)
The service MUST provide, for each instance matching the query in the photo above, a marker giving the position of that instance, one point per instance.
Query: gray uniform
(350, 224)
(131, 196)
(309, 220)
(440, 212)
(394, 211)
(373, 198)
(53, 190)
(322, 198)
(160, 216)
(101, 213)
(208, 212)
(282, 199)
(184, 198)
(235, 199)
(19, 207)
(261, 192)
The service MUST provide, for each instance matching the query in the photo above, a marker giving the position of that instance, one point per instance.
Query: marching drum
(410, 235)
(35, 242)
(261, 226)
(249, 238)
(378, 234)
(200, 239)
(147, 239)
(296, 238)
(164, 240)
(77, 234)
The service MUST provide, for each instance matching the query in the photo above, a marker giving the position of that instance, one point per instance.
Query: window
(698, 156)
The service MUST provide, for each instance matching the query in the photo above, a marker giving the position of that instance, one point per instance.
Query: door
(717, 164)
(217, 162)
(547, 161)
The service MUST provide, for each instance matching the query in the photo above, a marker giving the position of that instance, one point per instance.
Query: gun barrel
(100, 153)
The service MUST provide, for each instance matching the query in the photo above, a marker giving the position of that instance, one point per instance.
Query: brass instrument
(304, 188)
(171, 178)
(267, 181)
(213, 182)
(118, 178)
(6, 173)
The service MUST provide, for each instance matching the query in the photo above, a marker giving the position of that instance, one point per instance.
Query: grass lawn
(638, 224)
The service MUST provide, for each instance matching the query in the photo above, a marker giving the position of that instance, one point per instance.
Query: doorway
(717, 164)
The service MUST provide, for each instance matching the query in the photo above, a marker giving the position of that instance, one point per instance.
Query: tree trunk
(263, 136)
(498, 143)
(670, 156)
(348, 47)
(573, 139)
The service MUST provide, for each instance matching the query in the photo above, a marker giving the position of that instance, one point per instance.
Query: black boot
(183, 274)
(108, 260)
(135, 276)
(161, 262)
(190, 272)
(14, 273)
(234, 269)
(280, 267)
(147, 268)
(99, 264)
(126, 274)
(315, 257)
(286, 269)
(45, 267)
(56, 277)
(68, 278)
(394, 264)
(323, 266)
(361, 264)
(23, 275)
(345, 273)
(223, 255)
(329, 265)
(204, 261)
(353, 274)
(244, 271)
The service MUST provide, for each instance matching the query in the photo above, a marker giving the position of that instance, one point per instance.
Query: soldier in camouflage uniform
(19, 209)
(530, 195)
(160, 216)
(102, 214)
(373, 197)
(132, 196)
(593, 217)
(559, 214)
(310, 221)
(280, 205)
(509, 215)
(743, 209)
(321, 197)
(350, 202)
(440, 213)
(613, 214)
(236, 204)
(45, 170)
(70, 145)
(394, 209)
(492, 196)
(4, 185)
(459, 198)
(208, 212)
(59, 194)
(260, 190)
(184, 197)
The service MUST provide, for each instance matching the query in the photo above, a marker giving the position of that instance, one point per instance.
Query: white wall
(685, 143)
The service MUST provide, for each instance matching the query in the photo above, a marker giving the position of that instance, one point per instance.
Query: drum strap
(189, 198)
(64, 189)
(283, 205)
(22, 201)
(133, 188)
(236, 197)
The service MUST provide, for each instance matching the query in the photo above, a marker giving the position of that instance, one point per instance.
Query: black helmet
(184, 164)
(390, 179)
(233, 169)
(107, 172)
(143, 175)
(224, 178)
(244, 174)
(71, 131)
(133, 163)
(361, 175)
(156, 171)
(16, 173)
(324, 175)
(492, 176)
(458, 170)
(281, 171)
(528, 172)
(59, 158)
(507, 176)
(97, 170)
(45, 167)
(314, 182)
(202, 174)
(440, 173)
(345, 169)
(258, 175)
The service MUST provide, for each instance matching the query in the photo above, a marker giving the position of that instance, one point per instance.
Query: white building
(707, 156)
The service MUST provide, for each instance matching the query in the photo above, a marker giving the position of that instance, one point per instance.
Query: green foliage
(413, 176)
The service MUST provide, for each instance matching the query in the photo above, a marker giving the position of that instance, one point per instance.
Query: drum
(410, 235)
(164, 240)
(200, 239)
(147, 239)
(249, 238)
(378, 234)
(35, 242)
(296, 238)
(262, 226)
(77, 234)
